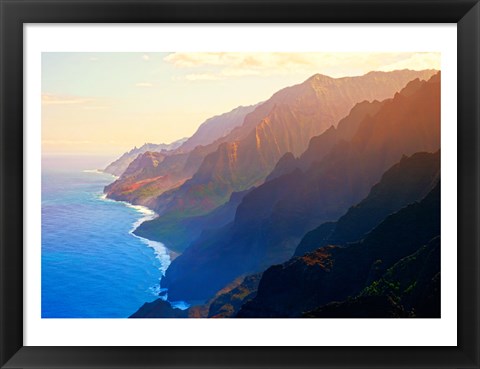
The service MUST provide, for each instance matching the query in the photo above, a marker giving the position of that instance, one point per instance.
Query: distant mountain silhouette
(217, 127)
(121, 164)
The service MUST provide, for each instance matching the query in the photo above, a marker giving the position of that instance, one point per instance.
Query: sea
(93, 266)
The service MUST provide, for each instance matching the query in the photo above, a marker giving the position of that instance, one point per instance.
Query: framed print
(225, 184)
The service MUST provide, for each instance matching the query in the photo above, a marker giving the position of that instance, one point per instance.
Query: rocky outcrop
(226, 304)
(159, 309)
(143, 180)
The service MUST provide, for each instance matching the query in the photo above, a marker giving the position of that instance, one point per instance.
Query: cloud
(250, 61)
(66, 142)
(240, 72)
(145, 57)
(417, 61)
(224, 74)
(86, 103)
(51, 99)
(144, 84)
(217, 66)
(96, 107)
(201, 77)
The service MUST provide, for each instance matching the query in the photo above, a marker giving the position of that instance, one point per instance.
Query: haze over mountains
(284, 123)
(216, 127)
(119, 166)
(272, 218)
(142, 187)
(294, 191)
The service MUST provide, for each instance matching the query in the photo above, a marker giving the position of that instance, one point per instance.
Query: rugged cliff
(271, 220)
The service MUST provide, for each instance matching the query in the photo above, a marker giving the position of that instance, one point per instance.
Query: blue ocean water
(92, 265)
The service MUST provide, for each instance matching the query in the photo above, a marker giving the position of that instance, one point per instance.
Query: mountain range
(283, 124)
(271, 220)
(389, 269)
(322, 201)
(404, 183)
(333, 273)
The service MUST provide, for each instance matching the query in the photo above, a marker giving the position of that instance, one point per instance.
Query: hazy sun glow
(106, 103)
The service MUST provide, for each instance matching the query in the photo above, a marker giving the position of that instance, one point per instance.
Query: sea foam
(161, 251)
(182, 305)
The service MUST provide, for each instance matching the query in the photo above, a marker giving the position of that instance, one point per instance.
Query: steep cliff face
(271, 219)
(159, 309)
(333, 273)
(406, 182)
(216, 127)
(244, 158)
(178, 234)
(143, 180)
(227, 304)
(181, 160)
(320, 145)
(284, 123)
(144, 165)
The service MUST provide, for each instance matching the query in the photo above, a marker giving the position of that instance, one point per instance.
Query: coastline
(100, 271)
(150, 214)
(162, 253)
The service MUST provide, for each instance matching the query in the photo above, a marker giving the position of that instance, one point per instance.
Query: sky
(106, 103)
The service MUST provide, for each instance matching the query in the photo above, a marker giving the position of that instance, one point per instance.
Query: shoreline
(162, 252)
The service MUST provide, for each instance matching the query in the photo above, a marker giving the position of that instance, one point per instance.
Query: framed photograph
(225, 184)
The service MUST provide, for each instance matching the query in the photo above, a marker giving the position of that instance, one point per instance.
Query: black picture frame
(15, 13)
